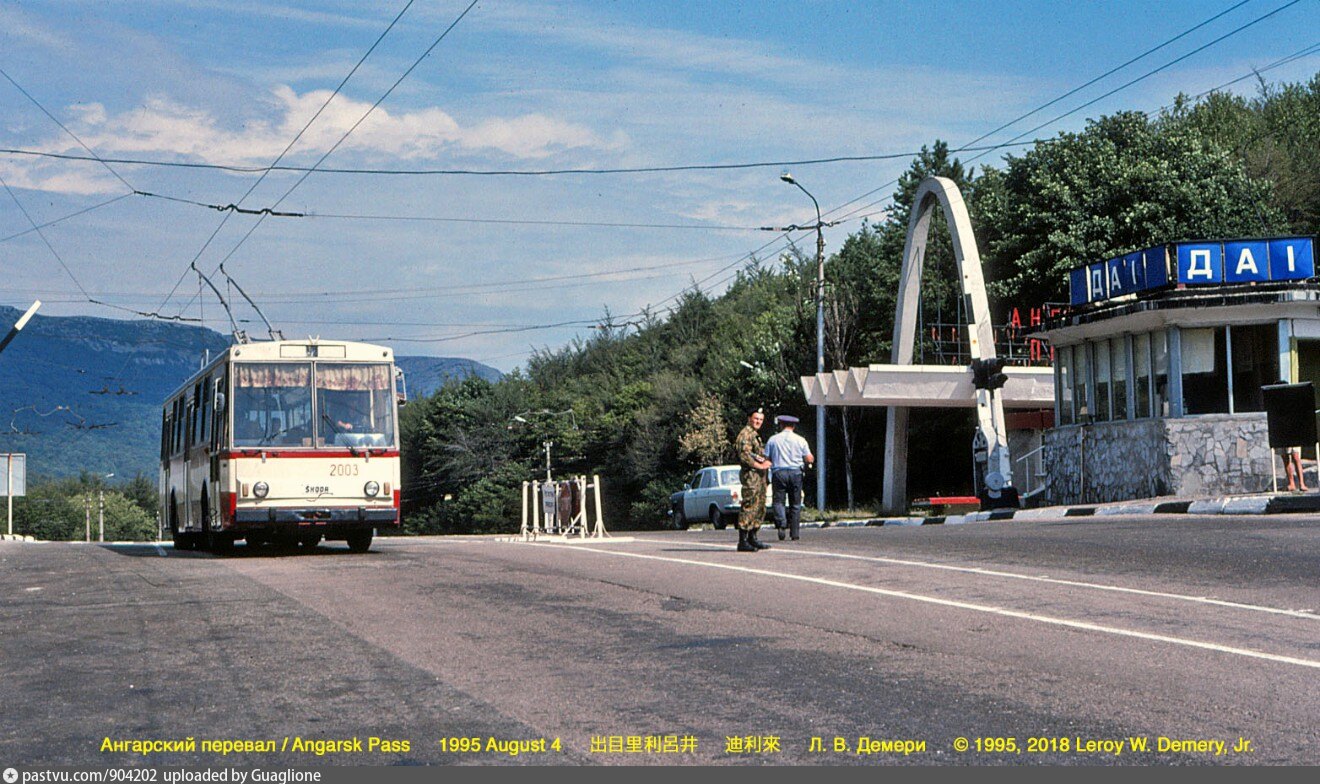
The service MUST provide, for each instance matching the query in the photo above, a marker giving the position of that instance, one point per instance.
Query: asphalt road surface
(996, 643)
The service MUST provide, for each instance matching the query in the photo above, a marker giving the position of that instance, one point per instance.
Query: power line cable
(268, 212)
(64, 128)
(339, 88)
(71, 215)
(261, 219)
(233, 168)
(1014, 140)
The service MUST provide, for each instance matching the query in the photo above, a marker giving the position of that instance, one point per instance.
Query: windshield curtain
(355, 404)
(273, 404)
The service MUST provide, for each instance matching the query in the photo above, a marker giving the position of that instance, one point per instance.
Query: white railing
(1030, 471)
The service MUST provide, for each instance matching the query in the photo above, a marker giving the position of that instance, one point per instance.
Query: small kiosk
(1159, 365)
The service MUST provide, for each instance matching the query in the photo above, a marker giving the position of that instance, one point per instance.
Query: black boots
(748, 543)
(781, 533)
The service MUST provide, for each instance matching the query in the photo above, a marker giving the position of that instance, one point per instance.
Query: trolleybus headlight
(372, 489)
(260, 489)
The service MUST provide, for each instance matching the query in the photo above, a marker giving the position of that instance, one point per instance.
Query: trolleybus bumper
(323, 515)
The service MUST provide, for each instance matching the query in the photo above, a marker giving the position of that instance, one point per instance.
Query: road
(1079, 632)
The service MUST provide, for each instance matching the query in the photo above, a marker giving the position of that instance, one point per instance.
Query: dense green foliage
(644, 406)
(68, 509)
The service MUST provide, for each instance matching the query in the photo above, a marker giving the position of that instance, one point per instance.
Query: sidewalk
(1258, 504)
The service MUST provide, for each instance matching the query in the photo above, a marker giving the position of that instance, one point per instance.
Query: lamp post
(820, 336)
(100, 513)
(521, 419)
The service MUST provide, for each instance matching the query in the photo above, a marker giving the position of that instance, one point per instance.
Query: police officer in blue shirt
(788, 453)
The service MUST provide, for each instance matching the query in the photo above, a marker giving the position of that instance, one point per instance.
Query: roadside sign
(13, 471)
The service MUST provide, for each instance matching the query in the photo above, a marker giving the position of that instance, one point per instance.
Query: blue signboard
(1096, 276)
(1116, 276)
(1192, 264)
(1200, 262)
(1246, 261)
(1292, 259)
(1155, 261)
(1078, 292)
(1136, 270)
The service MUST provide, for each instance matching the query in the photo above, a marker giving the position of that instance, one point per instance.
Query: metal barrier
(545, 513)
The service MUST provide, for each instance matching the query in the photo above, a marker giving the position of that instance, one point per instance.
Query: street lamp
(100, 513)
(820, 336)
(521, 419)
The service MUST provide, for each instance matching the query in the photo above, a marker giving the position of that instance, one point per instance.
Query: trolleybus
(285, 441)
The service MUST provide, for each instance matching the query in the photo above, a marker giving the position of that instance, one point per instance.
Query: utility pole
(87, 516)
(100, 516)
(547, 461)
(820, 333)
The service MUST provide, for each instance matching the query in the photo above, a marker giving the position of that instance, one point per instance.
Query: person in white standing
(789, 454)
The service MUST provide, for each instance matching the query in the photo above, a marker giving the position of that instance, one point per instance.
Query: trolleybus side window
(176, 434)
(355, 402)
(272, 404)
(218, 413)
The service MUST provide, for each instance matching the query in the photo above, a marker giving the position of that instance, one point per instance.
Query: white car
(713, 495)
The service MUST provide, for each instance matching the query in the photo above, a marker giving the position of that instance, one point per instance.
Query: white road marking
(984, 608)
(1041, 579)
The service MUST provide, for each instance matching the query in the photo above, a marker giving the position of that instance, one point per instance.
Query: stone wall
(1191, 457)
(1218, 454)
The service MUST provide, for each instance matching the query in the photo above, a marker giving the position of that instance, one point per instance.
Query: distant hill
(425, 375)
(84, 394)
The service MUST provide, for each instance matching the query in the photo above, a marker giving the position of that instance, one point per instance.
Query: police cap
(785, 419)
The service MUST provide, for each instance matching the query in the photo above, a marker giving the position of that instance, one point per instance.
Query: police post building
(1159, 365)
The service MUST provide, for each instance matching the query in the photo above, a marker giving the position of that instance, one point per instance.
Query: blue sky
(526, 85)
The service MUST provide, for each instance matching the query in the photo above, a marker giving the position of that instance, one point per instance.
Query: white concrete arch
(942, 192)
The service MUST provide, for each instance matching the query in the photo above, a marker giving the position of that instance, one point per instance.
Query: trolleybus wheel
(359, 541)
(308, 541)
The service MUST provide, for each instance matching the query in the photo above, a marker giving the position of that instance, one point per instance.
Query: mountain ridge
(83, 393)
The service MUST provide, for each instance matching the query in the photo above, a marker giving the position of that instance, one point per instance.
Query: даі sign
(1194, 264)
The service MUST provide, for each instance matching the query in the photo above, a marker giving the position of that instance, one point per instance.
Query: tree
(706, 440)
(1124, 183)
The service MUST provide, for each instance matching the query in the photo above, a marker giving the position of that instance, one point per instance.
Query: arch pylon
(943, 192)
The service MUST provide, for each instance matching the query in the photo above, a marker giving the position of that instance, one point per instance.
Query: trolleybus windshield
(273, 404)
(355, 402)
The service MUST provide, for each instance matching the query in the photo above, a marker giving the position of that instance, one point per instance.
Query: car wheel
(717, 519)
(680, 519)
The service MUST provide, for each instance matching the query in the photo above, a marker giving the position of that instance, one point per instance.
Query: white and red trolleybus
(281, 442)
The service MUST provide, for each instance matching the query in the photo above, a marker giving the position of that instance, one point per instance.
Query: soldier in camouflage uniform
(751, 454)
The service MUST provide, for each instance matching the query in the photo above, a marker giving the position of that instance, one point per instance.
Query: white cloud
(166, 129)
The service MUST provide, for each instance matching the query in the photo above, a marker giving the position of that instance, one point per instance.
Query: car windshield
(729, 476)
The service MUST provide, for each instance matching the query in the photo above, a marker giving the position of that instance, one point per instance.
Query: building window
(1159, 360)
(1204, 371)
(1102, 381)
(1118, 369)
(1255, 364)
(1141, 375)
(1082, 383)
(1065, 383)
